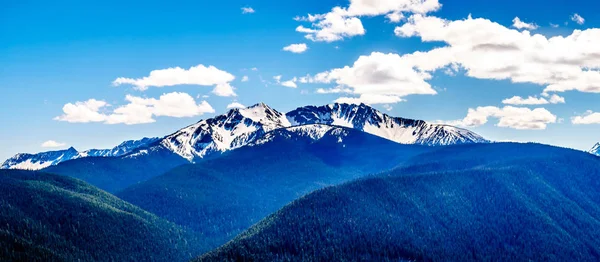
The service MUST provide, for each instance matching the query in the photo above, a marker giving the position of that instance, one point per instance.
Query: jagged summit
(595, 150)
(370, 120)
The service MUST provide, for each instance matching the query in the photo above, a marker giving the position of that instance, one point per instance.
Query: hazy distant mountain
(116, 173)
(492, 202)
(45, 159)
(54, 218)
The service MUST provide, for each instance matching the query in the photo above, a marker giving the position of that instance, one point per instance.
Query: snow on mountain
(45, 159)
(40, 160)
(372, 121)
(233, 130)
(595, 150)
(122, 149)
(313, 132)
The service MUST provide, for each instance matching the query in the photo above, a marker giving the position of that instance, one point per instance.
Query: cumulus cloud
(83, 112)
(377, 78)
(52, 144)
(488, 50)
(508, 116)
(224, 89)
(588, 118)
(138, 110)
(235, 105)
(517, 23)
(344, 22)
(245, 79)
(577, 19)
(296, 48)
(197, 75)
(248, 10)
(517, 100)
(333, 26)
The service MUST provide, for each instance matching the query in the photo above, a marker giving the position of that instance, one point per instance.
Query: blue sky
(56, 53)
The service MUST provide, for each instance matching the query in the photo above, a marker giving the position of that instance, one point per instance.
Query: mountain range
(331, 183)
(51, 158)
(240, 127)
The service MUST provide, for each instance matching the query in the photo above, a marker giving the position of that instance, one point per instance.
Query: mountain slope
(116, 173)
(40, 160)
(368, 119)
(542, 205)
(219, 198)
(225, 132)
(595, 150)
(51, 158)
(52, 218)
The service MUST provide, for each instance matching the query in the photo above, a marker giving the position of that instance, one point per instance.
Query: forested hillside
(53, 218)
(498, 202)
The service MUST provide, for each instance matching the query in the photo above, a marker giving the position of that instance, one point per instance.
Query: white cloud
(52, 144)
(577, 19)
(248, 10)
(335, 90)
(344, 22)
(254, 69)
(196, 75)
(224, 89)
(587, 119)
(296, 48)
(370, 99)
(517, 100)
(388, 107)
(377, 78)
(556, 99)
(333, 26)
(554, 25)
(517, 23)
(235, 105)
(488, 50)
(511, 117)
(395, 17)
(289, 83)
(83, 112)
(138, 110)
(245, 79)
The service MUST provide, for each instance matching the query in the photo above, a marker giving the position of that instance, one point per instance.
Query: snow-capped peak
(232, 130)
(365, 118)
(595, 150)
